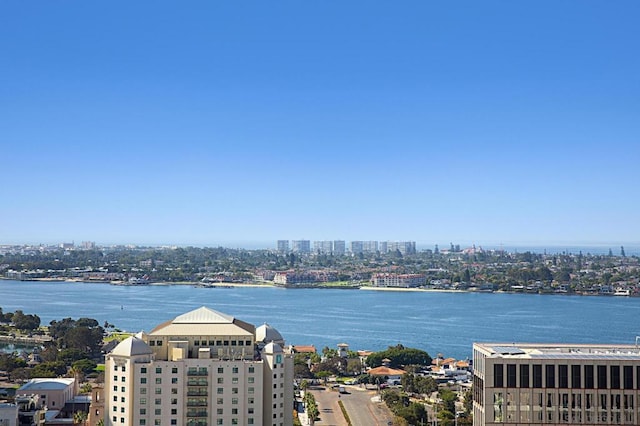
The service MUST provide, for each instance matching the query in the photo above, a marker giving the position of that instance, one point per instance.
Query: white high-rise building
(301, 246)
(202, 368)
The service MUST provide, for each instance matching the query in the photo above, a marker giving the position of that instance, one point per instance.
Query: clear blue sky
(211, 121)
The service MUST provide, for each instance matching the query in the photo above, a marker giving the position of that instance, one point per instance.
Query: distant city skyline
(222, 123)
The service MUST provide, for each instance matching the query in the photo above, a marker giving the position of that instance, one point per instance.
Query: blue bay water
(446, 323)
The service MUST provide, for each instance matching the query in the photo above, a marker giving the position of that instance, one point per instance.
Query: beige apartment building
(203, 368)
(555, 384)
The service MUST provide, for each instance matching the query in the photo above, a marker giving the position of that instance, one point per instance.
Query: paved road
(362, 411)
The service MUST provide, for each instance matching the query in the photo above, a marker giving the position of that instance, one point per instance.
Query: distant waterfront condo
(398, 280)
(301, 246)
(529, 383)
(283, 246)
(202, 368)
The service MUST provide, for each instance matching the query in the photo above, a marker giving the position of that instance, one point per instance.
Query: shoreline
(320, 286)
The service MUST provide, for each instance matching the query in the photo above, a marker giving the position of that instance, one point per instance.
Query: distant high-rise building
(370, 246)
(404, 247)
(323, 247)
(338, 247)
(88, 245)
(202, 368)
(383, 247)
(283, 246)
(301, 246)
(357, 247)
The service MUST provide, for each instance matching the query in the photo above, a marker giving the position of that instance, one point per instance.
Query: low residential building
(534, 383)
(398, 280)
(53, 393)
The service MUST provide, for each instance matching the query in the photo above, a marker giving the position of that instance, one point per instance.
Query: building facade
(516, 384)
(301, 246)
(202, 368)
(398, 280)
(339, 247)
(323, 247)
(283, 246)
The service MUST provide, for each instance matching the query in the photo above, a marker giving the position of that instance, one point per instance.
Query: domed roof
(265, 333)
(131, 346)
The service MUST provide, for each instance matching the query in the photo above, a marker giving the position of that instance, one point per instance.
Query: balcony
(197, 382)
(196, 414)
(197, 392)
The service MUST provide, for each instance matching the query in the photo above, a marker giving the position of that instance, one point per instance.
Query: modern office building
(532, 383)
(301, 246)
(283, 246)
(202, 368)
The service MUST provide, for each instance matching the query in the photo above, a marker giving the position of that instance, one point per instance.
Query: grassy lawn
(117, 336)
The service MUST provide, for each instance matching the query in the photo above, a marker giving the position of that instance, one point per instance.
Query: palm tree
(79, 418)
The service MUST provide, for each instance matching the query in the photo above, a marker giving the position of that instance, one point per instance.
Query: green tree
(399, 356)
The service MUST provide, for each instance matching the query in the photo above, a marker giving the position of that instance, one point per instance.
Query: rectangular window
(252, 369)
(212, 343)
(251, 380)
(158, 401)
(174, 370)
(576, 381)
(234, 370)
(158, 412)
(220, 370)
(498, 375)
(220, 401)
(220, 390)
(588, 377)
(158, 391)
(143, 370)
(511, 375)
(615, 377)
(233, 343)
(563, 376)
(143, 391)
(158, 370)
(247, 342)
(143, 401)
(602, 377)
(220, 380)
(537, 376)
(628, 376)
(143, 380)
(158, 381)
(524, 376)
(143, 411)
(218, 342)
(550, 376)
(174, 380)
